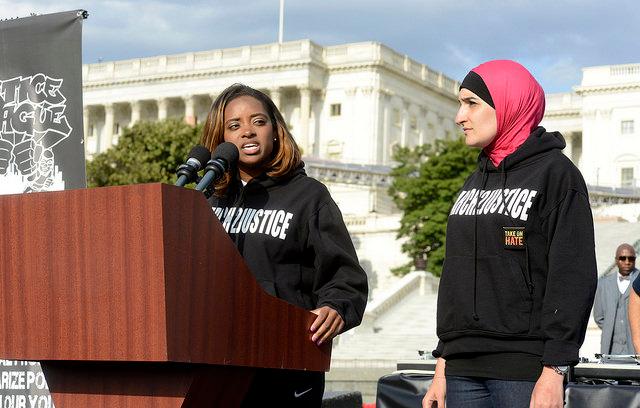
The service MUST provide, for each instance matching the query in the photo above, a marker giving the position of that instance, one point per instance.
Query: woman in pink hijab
(519, 275)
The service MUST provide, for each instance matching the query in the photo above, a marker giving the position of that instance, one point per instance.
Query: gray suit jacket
(604, 309)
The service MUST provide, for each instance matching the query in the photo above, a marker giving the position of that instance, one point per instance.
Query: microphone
(188, 172)
(225, 155)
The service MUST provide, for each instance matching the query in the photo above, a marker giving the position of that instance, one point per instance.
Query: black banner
(41, 141)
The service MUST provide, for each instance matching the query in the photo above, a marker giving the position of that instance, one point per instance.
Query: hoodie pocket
(288, 284)
(502, 300)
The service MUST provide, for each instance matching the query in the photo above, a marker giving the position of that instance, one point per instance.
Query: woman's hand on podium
(327, 325)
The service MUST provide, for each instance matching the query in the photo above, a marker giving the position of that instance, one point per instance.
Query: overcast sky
(553, 38)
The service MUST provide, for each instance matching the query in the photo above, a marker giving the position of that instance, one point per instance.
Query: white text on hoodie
(515, 202)
(237, 220)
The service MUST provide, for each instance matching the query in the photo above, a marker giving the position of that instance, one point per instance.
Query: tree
(425, 185)
(147, 152)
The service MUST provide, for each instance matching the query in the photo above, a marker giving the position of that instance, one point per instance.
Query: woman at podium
(291, 233)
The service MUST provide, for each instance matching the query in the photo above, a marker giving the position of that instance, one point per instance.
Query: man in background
(611, 304)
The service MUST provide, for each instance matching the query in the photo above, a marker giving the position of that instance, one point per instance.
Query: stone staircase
(395, 327)
(396, 336)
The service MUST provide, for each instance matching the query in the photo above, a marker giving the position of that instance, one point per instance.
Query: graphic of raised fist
(24, 152)
(5, 155)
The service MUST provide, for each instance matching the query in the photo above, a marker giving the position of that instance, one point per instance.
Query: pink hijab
(519, 102)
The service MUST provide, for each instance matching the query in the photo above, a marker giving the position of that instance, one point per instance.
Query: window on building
(626, 127)
(116, 129)
(626, 177)
(397, 118)
(413, 123)
(336, 109)
(334, 149)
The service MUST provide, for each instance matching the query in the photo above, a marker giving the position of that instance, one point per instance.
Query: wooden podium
(134, 296)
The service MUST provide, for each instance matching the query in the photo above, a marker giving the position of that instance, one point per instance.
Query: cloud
(560, 72)
(461, 57)
(553, 38)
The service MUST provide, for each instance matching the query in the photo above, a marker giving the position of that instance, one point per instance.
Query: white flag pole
(281, 25)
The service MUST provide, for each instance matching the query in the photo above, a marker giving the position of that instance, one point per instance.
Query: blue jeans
(476, 392)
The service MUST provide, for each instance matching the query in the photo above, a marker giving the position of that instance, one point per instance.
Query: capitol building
(353, 103)
(350, 103)
(600, 120)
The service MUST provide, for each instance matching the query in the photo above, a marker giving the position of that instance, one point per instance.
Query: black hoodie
(292, 237)
(519, 277)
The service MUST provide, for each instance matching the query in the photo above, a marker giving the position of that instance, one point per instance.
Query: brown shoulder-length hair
(286, 154)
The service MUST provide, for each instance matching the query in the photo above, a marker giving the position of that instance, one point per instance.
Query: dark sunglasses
(624, 258)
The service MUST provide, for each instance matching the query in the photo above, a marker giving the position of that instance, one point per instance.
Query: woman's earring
(275, 140)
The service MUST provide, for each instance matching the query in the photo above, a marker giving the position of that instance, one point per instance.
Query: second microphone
(225, 156)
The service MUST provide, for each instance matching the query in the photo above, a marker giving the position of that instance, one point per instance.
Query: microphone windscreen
(200, 153)
(226, 151)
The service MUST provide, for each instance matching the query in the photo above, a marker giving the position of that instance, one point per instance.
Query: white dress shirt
(623, 282)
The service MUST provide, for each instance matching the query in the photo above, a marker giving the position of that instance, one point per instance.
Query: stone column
(422, 125)
(107, 131)
(86, 115)
(305, 111)
(381, 126)
(163, 104)
(406, 128)
(576, 148)
(190, 109)
(568, 150)
(386, 151)
(136, 108)
(276, 97)
(85, 123)
(318, 102)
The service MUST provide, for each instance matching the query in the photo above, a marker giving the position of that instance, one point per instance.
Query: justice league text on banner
(41, 142)
(32, 123)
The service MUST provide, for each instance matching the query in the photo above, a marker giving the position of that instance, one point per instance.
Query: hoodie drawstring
(475, 241)
(237, 204)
